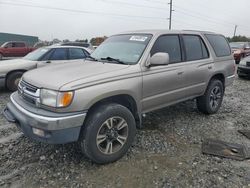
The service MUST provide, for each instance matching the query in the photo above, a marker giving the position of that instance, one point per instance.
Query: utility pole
(170, 14)
(235, 29)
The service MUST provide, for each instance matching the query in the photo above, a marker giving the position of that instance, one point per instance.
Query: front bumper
(243, 71)
(58, 128)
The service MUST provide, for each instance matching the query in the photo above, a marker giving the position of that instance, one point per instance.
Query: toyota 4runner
(99, 102)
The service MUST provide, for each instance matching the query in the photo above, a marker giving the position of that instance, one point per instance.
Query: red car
(14, 49)
(240, 50)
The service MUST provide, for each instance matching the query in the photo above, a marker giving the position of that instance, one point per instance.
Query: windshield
(37, 54)
(125, 48)
(236, 44)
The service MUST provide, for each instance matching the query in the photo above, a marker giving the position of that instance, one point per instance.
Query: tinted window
(204, 50)
(76, 53)
(219, 44)
(195, 48)
(46, 56)
(19, 45)
(169, 44)
(59, 54)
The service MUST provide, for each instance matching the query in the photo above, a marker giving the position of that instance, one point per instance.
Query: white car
(11, 71)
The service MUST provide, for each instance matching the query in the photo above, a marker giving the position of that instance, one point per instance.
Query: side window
(19, 44)
(219, 44)
(59, 54)
(169, 44)
(76, 53)
(10, 45)
(204, 50)
(195, 48)
(47, 55)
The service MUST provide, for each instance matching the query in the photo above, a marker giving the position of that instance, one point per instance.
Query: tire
(105, 142)
(1, 57)
(211, 101)
(13, 80)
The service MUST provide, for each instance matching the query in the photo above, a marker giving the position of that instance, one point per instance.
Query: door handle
(210, 67)
(180, 73)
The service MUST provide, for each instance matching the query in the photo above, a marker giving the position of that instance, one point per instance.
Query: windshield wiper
(113, 59)
(92, 58)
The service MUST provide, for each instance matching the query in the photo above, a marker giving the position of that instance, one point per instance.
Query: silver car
(100, 103)
(12, 70)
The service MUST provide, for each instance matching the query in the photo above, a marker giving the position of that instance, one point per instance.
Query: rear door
(197, 66)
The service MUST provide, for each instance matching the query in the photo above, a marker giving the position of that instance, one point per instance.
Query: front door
(162, 84)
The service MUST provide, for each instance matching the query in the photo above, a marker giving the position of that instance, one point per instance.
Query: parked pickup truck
(14, 49)
(100, 102)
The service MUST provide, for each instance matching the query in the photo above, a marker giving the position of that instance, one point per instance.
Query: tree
(239, 39)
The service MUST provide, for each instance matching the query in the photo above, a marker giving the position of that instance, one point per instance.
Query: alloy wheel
(112, 135)
(215, 97)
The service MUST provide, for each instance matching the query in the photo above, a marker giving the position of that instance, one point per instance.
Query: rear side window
(169, 44)
(194, 47)
(59, 54)
(219, 44)
(76, 53)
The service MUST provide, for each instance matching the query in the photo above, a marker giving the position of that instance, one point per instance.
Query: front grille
(248, 64)
(28, 92)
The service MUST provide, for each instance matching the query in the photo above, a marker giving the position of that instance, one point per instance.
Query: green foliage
(238, 39)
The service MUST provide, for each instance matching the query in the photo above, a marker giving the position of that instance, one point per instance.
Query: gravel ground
(166, 153)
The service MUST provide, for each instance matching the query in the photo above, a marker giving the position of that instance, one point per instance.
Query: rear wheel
(1, 56)
(108, 133)
(12, 80)
(211, 101)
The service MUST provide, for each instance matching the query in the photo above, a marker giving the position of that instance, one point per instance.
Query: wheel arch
(123, 99)
(13, 71)
(218, 76)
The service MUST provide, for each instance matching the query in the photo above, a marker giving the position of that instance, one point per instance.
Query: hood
(83, 71)
(15, 64)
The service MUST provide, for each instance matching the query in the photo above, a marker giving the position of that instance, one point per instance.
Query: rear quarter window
(219, 44)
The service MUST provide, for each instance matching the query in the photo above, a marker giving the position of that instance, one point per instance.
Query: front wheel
(108, 133)
(211, 101)
(13, 80)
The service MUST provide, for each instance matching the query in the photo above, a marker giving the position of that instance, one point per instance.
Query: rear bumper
(56, 128)
(243, 71)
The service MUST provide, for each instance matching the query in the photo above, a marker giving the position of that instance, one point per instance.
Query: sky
(81, 19)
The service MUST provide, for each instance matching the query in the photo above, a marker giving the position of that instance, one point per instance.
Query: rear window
(219, 44)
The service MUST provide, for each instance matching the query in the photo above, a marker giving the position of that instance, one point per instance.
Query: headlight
(237, 52)
(55, 98)
(243, 63)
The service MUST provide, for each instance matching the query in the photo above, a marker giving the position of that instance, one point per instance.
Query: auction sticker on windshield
(138, 38)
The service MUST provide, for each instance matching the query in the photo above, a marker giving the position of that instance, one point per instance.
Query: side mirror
(6, 46)
(159, 58)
